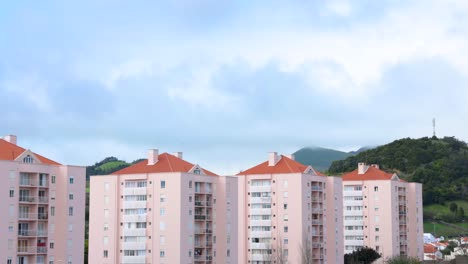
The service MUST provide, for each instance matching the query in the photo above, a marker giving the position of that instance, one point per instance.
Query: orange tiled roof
(9, 151)
(428, 248)
(166, 163)
(284, 165)
(371, 174)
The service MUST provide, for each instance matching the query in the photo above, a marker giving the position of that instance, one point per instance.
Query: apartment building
(383, 212)
(163, 210)
(43, 203)
(289, 213)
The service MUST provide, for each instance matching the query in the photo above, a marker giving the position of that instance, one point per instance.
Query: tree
(403, 260)
(453, 207)
(461, 213)
(363, 255)
(306, 252)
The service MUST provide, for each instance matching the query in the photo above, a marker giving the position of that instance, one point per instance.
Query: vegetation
(403, 260)
(364, 255)
(440, 164)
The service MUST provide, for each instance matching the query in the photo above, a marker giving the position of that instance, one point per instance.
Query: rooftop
(281, 164)
(165, 163)
(10, 151)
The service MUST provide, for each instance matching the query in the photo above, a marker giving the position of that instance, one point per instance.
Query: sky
(226, 82)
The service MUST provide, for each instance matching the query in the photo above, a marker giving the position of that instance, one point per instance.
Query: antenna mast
(434, 126)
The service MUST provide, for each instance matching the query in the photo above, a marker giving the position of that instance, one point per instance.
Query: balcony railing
(27, 199)
(43, 199)
(42, 216)
(317, 188)
(26, 233)
(317, 222)
(317, 256)
(42, 250)
(27, 250)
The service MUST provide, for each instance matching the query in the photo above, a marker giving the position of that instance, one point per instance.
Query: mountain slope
(319, 158)
(440, 164)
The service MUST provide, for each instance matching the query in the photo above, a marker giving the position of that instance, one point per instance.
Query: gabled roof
(372, 173)
(166, 163)
(429, 248)
(284, 165)
(9, 151)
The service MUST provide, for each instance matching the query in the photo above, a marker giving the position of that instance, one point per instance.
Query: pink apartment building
(383, 212)
(163, 210)
(289, 213)
(43, 203)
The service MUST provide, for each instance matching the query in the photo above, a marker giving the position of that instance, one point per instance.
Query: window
(51, 244)
(70, 211)
(69, 243)
(162, 240)
(285, 194)
(70, 227)
(28, 159)
(70, 196)
(106, 226)
(106, 240)
(285, 184)
(106, 212)
(196, 171)
(376, 209)
(162, 211)
(163, 184)
(377, 238)
(71, 180)
(106, 199)
(52, 211)
(377, 229)
(162, 254)
(285, 206)
(162, 198)
(285, 229)
(12, 193)
(10, 228)
(190, 184)
(162, 226)
(106, 186)
(69, 259)
(9, 261)
(376, 188)
(52, 179)
(285, 241)
(285, 217)
(106, 254)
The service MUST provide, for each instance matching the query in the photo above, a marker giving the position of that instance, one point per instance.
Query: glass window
(163, 184)
(71, 180)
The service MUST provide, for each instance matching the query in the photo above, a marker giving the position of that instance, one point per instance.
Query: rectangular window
(190, 184)
(163, 184)
(9, 261)
(106, 186)
(286, 241)
(69, 243)
(12, 192)
(52, 179)
(106, 212)
(162, 254)
(162, 240)
(106, 199)
(285, 206)
(162, 211)
(106, 226)
(70, 227)
(376, 188)
(285, 184)
(285, 217)
(71, 180)
(70, 211)
(285, 229)
(162, 226)
(51, 244)
(162, 198)
(70, 196)
(106, 254)
(285, 194)
(106, 240)
(52, 211)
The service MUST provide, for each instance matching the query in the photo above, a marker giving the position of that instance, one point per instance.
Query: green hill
(107, 166)
(322, 158)
(440, 164)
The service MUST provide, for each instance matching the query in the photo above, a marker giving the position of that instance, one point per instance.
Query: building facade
(163, 210)
(289, 213)
(383, 212)
(44, 208)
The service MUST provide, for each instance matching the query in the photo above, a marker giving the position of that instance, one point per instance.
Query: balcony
(317, 188)
(202, 204)
(134, 218)
(135, 191)
(134, 204)
(402, 193)
(260, 234)
(317, 245)
(134, 232)
(317, 256)
(401, 202)
(27, 199)
(28, 183)
(260, 200)
(200, 231)
(41, 250)
(42, 216)
(317, 222)
(260, 222)
(200, 217)
(317, 210)
(402, 212)
(27, 233)
(134, 245)
(264, 188)
(260, 211)
(317, 233)
(133, 259)
(26, 217)
(42, 233)
(260, 246)
(43, 199)
(260, 257)
(26, 250)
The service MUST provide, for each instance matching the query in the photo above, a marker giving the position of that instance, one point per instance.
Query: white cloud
(32, 88)
(340, 8)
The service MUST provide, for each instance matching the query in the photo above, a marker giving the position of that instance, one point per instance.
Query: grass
(438, 209)
(110, 165)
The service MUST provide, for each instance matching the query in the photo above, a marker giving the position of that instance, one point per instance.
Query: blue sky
(227, 82)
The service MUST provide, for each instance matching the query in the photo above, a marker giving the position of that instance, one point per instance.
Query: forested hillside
(440, 164)
(107, 166)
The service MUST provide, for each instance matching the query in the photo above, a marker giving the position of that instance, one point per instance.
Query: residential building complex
(383, 212)
(289, 213)
(43, 206)
(163, 210)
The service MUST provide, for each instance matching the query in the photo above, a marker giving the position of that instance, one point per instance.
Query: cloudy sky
(227, 82)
